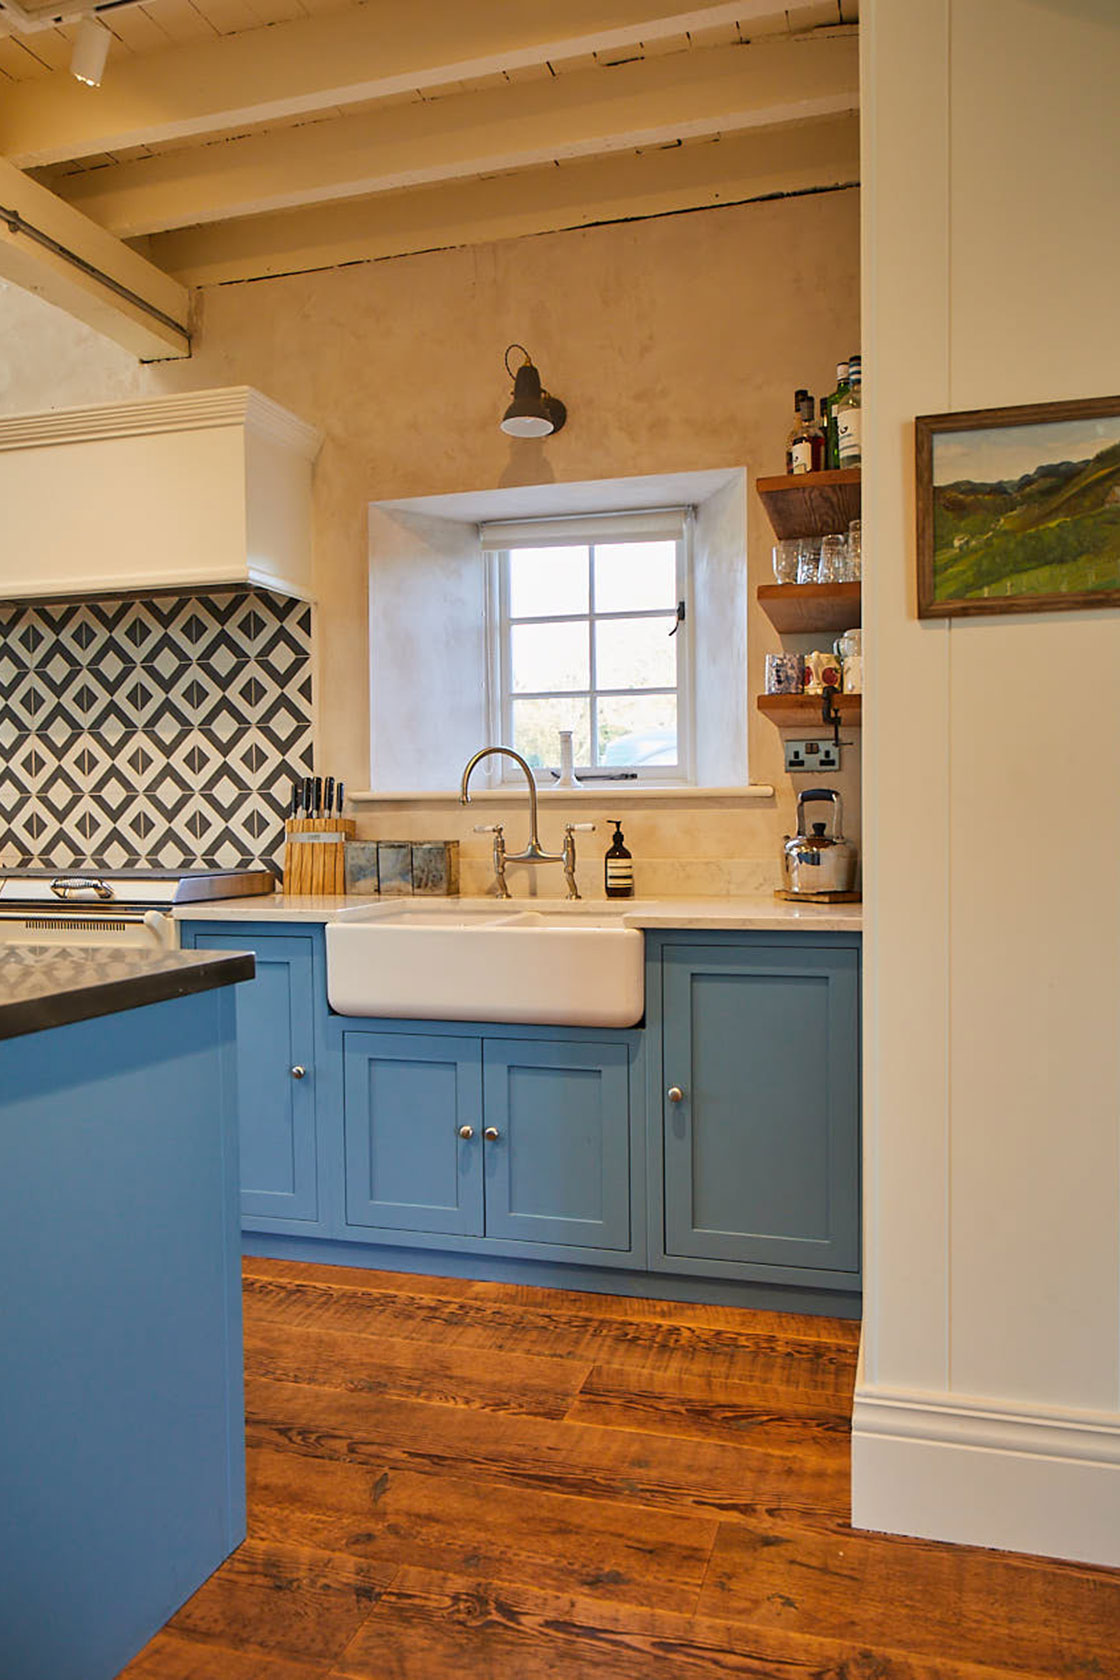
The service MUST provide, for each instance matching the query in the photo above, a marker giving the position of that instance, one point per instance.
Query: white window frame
(668, 524)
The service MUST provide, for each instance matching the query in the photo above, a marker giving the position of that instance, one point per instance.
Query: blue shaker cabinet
(413, 1123)
(515, 1140)
(759, 1110)
(747, 1188)
(557, 1142)
(278, 1071)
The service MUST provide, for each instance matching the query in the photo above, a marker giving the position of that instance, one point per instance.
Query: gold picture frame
(1018, 509)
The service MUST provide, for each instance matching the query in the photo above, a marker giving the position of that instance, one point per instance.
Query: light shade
(532, 413)
(91, 49)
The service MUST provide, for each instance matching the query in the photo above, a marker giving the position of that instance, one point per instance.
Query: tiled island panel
(164, 731)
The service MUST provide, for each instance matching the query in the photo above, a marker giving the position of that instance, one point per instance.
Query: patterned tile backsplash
(163, 732)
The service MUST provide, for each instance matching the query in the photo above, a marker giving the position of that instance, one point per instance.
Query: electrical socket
(812, 755)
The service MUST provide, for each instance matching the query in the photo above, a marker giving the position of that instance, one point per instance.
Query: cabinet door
(761, 1152)
(276, 1104)
(408, 1098)
(558, 1170)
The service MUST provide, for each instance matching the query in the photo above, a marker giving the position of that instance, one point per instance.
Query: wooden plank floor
(473, 1481)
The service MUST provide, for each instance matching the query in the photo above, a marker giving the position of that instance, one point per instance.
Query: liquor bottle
(849, 414)
(618, 866)
(805, 448)
(831, 455)
(794, 435)
(816, 434)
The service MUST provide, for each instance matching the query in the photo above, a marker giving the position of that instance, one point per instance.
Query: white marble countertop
(751, 914)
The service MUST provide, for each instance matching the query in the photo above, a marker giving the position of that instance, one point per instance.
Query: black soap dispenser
(618, 866)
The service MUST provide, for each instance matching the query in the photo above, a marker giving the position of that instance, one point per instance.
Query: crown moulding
(237, 405)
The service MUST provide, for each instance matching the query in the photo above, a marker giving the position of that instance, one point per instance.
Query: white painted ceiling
(237, 138)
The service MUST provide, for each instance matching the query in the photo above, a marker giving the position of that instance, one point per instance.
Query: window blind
(644, 525)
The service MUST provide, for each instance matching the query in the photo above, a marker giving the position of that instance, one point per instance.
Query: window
(437, 631)
(591, 634)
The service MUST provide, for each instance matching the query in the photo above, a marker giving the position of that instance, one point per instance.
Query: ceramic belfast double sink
(546, 962)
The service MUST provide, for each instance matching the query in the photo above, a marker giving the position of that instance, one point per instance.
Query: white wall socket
(812, 755)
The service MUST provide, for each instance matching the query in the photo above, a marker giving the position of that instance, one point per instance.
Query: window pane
(537, 725)
(547, 582)
(635, 577)
(635, 653)
(549, 656)
(638, 731)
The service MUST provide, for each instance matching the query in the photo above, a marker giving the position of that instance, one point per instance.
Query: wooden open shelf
(811, 504)
(804, 710)
(800, 608)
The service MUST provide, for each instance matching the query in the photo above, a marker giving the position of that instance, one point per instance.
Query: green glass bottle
(831, 451)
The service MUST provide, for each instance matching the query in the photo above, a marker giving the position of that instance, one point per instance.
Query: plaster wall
(988, 1408)
(676, 343)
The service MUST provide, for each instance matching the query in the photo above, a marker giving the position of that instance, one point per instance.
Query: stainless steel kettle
(818, 862)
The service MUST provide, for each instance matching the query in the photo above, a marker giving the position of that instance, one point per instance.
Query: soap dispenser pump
(618, 865)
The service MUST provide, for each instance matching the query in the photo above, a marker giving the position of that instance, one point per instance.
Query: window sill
(630, 793)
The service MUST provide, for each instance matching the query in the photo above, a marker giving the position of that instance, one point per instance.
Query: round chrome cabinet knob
(491, 1134)
(299, 1072)
(466, 1133)
(675, 1094)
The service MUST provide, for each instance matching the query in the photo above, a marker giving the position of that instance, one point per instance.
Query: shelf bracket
(831, 717)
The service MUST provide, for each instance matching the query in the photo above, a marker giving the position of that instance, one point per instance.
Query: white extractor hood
(196, 491)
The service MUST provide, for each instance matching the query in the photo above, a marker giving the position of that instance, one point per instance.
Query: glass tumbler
(785, 673)
(854, 570)
(785, 556)
(834, 559)
(808, 559)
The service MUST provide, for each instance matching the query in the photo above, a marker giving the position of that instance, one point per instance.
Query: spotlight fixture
(532, 413)
(91, 49)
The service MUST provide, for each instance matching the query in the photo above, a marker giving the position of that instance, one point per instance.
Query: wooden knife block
(315, 854)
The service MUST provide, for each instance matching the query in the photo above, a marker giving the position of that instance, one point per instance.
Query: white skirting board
(982, 1472)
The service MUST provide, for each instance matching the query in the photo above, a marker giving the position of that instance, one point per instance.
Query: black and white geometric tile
(163, 732)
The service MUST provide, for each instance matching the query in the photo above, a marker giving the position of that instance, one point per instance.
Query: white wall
(988, 1408)
(427, 638)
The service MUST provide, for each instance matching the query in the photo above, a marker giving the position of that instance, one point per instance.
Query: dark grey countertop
(45, 986)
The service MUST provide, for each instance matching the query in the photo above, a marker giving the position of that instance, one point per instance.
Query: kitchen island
(122, 1458)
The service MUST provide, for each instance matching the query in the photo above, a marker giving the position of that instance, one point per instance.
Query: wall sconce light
(532, 413)
(91, 49)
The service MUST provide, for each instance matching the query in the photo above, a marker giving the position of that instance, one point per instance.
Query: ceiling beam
(101, 282)
(758, 164)
(648, 102)
(334, 59)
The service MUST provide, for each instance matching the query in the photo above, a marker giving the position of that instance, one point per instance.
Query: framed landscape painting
(1019, 508)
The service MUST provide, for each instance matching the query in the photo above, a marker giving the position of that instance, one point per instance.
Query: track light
(532, 413)
(91, 49)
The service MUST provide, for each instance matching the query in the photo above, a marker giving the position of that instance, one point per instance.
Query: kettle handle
(814, 795)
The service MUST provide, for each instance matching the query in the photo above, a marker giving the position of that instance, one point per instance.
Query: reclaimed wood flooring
(473, 1481)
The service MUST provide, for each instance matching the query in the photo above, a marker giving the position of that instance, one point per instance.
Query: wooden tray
(819, 897)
